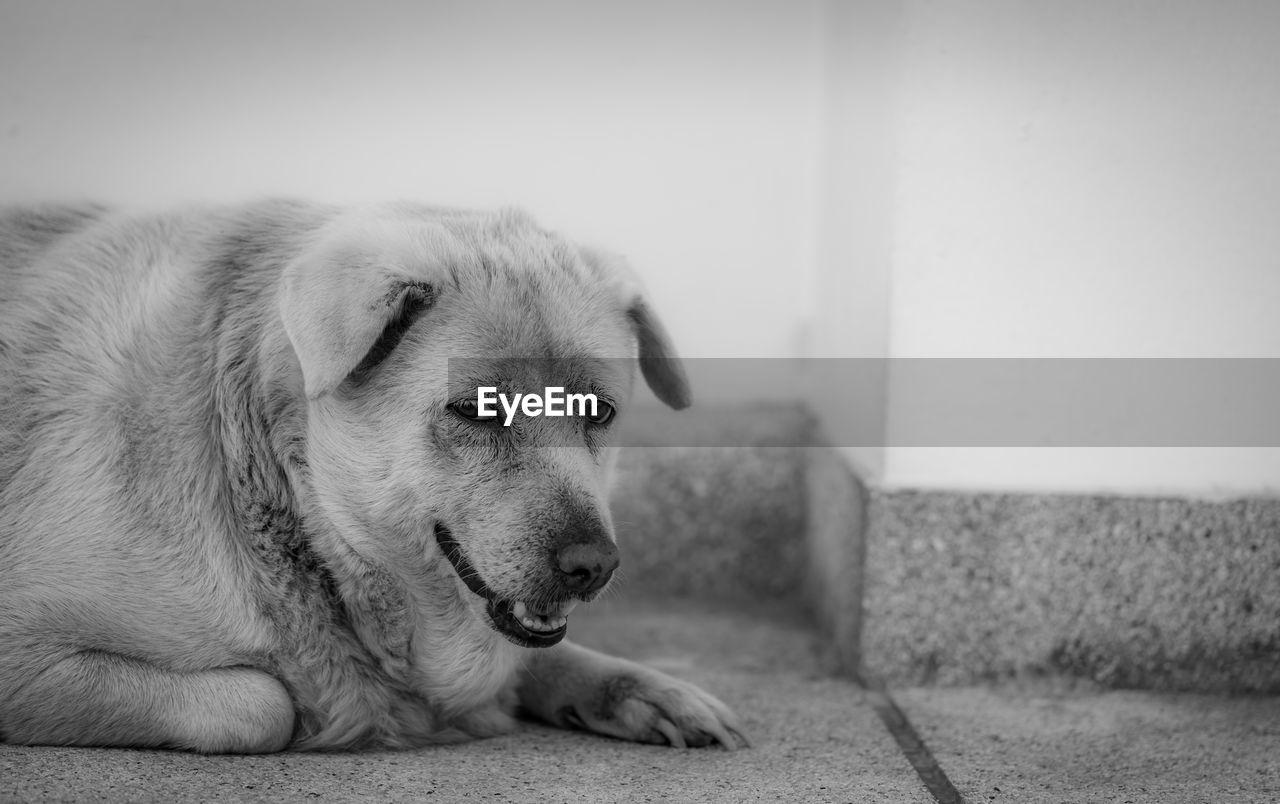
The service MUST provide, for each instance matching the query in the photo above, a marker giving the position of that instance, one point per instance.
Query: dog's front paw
(651, 707)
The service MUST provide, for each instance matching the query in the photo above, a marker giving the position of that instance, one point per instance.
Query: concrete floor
(1040, 744)
(816, 739)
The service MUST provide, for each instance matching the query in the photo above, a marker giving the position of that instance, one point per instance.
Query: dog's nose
(585, 568)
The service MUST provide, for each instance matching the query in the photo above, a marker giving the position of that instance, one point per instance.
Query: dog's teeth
(538, 623)
(542, 622)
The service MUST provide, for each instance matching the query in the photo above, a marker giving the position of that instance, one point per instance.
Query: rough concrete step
(815, 739)
(953, 588)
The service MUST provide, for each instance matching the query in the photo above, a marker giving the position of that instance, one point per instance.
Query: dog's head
(398, 320)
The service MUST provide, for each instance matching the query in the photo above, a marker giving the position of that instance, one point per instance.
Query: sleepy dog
(248, 503)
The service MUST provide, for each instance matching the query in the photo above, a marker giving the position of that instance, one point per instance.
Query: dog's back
(26, 232)
(110, 334)
(78, 373)
(62, 317)
(110, 330)
(25, 235)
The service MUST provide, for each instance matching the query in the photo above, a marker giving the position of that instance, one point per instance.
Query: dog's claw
(674, 738)
(726, 737)
(682, 713)
(574, 687)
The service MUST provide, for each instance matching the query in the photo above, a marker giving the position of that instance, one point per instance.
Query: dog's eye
(470, 410)
(603, 415)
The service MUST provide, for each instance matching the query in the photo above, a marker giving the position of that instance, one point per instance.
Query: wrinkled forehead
(611, 378)
(529, 292)
(537, 330)
(521, 305)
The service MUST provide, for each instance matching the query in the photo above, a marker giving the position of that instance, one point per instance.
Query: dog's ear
(659, 364)
(344, 314)
(661, 367)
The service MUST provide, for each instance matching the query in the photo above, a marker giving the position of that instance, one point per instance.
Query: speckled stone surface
(1129, 592)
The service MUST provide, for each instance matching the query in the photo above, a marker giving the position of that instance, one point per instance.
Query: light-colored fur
(217, 515)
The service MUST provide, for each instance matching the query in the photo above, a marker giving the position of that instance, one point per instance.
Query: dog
(248, 502)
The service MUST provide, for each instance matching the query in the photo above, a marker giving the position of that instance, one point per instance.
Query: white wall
(1077, 179)
(1088, 179)
(683, 135)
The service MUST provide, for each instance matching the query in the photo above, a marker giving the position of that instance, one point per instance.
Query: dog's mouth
(526, 624)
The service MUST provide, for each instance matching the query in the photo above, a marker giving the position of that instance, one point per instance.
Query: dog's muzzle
(518, 621)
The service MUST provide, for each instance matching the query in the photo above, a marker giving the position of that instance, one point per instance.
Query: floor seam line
(912, 746)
